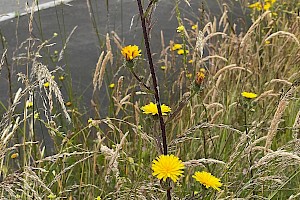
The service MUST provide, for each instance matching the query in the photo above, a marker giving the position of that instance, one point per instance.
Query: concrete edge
(43, 6)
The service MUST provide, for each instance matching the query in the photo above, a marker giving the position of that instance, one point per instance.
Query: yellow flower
(131, 52)
(14, 155)
(36, 115)
(267, 6)
(191, 61)
(180, 29)
(61, 78)
(181, 51)
(249, 95)
(189, 75)
(152, 109)
(176, 47)
(207, 180)
(51, 196)
(90, 120)
(270, 1)
(267, 42)
(194, 27)
(167, 166)
(29, 104)
(46, 85)
(256, 6)
(163, 67)
(98, 198)
(55, 34)
(112, 85)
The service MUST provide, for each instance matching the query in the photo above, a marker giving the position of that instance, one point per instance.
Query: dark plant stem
(4, 47)
(140, 80)
(156, 94)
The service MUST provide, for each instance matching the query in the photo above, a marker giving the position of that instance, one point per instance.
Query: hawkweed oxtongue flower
(176, 47)
(208, 180)
(151, 108)
(167, 166)
(130, 52)
(249, 95)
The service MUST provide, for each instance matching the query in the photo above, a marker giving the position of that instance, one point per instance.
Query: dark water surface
(83, 49)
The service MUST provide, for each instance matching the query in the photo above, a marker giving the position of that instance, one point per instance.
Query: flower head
(46, 85)
(249, 95)
(14, 155)
(207, 180)
(131, 52)
(200, 77)
(163, 67)
(61, 78)
(176, 47)
(181, 51)
(180, 29)
(194, 27)
(167, 166)
(68, 104)
(256, 6)
(151, 108)
(90, 120)
(112, 85)
(29, 104)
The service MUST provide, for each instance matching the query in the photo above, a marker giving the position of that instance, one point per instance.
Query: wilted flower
(167, 166)
(68, 104)
(14, 155)
(200, 77)
(131, 52)
(207, 180)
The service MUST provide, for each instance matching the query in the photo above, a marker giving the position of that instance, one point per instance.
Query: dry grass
(252, 145)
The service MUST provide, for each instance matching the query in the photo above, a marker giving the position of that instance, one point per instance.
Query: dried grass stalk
(97, 71)
(102, 69)
(201, 162)
(284, 33)
(108, 47)
(277, 116)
